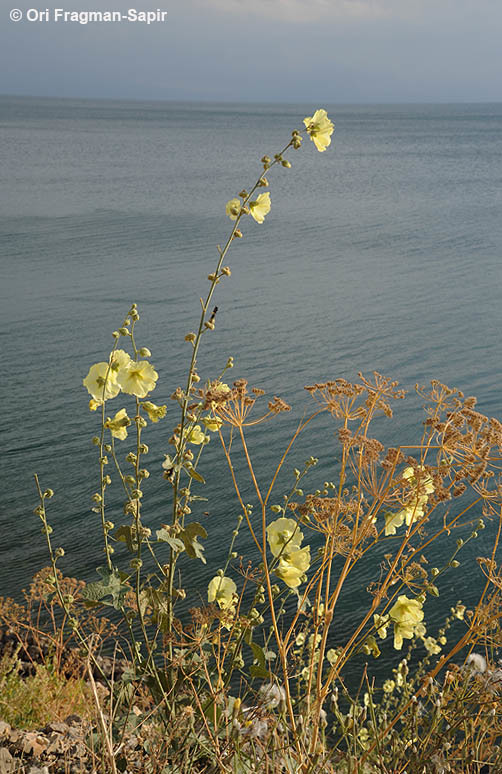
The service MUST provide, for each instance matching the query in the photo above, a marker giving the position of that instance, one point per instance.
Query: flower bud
(96, 440)
(97, 498)
(190, 337)
(243, 194)
(144, 473)
(454, 563)
(123, 332)
(209, 325)
(230, 363)
(238, 233)
(286, 164)
(116, 334)
(48, 493)
(226, 271)
(135, 564)
(266, 160)
(263, 182)
(59, 552)
(144, 352)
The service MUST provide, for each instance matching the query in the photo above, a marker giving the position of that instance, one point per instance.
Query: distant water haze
(384, 252)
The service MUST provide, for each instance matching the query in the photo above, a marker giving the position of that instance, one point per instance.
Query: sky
(326, 51)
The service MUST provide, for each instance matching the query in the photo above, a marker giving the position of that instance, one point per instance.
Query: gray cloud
(266, 50)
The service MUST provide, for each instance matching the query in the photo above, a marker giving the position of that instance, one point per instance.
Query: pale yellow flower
(291, 575)
(119, 424)
(95, 380)
(425, 481)
(389, 686)
(154, 412)
(320, 129)
(332, 656)
(299, 558)
(233, 208)
(420, 630)
(222, 590)
(405, 615)
(458, 611)
(314, 641)
(393, 521)
(260, 207)
(432, 646)
(381, 623)
(293, 566)
(119, 359)
(370, 647)
(415, 512)
(212, 424)
(283, 532)
(220, 387)
(197, 436)
(137, 378)
(218, 390)
(407, 515)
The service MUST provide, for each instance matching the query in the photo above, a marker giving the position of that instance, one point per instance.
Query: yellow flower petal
(283, 533)
(223, 591)
(197, 436)
(101, 382)
(119, 359)
(260, 207)
(233, 208)
(212, 424)
(320, 128)
(405, 615)
(291, 575)
(137, 378)
(154, 412)
(119, 424)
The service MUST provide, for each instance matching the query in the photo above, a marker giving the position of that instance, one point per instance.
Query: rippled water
(383, 253)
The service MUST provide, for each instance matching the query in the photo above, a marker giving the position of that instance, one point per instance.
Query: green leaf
(176, 544)
(189, 537)
(258, 653)
(125, 534)
(196, 476)
(159, 603)
(258, 671)
(113, 585)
